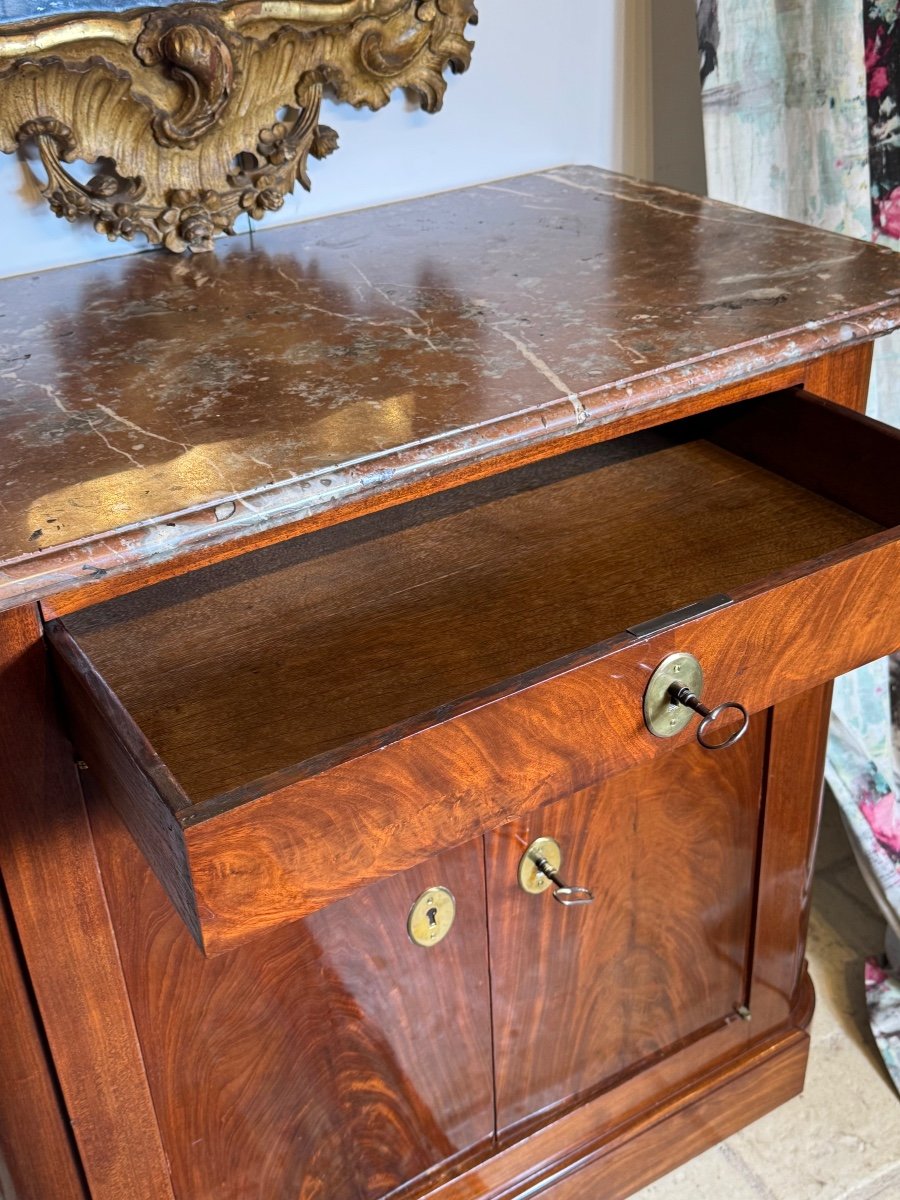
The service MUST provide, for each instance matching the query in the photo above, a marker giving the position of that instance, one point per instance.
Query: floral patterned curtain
(801, 117)
(882, 34)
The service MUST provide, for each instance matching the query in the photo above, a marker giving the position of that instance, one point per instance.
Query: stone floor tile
(886, 1187)
(714, 1174)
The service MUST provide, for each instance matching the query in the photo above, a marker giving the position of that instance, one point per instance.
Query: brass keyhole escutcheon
(431, 917)
(672, 699)
(531, 879)
(539, 870)
(663, 715)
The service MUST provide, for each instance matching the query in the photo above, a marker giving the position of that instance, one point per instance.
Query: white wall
(678, 151)
(550, 83)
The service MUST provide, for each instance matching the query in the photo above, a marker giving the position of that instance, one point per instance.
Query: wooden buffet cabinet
(335, 571)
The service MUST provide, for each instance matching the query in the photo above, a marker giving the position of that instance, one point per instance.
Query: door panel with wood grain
(582, 995)
(331, 1059)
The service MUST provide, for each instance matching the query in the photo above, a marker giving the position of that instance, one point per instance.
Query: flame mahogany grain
(662, 954)
(682, 1131)
(328, 1060)
(579, 1157)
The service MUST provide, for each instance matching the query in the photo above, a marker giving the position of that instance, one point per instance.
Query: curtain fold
(801, 119)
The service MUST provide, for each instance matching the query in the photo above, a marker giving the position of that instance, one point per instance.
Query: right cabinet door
(584, 995)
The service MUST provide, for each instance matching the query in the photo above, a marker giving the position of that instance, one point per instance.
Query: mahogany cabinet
(347, 856)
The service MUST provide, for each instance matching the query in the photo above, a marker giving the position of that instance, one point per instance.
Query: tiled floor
(840, 1140)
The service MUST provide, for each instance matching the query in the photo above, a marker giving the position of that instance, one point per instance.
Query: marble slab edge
(230, 518)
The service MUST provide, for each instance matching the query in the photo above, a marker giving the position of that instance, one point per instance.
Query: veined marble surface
(152, 403)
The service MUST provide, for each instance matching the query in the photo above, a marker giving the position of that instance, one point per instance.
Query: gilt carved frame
(197, 113)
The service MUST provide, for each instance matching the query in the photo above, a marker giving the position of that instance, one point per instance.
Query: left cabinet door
(331, 1059)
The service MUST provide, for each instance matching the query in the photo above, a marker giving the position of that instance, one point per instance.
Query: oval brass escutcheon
(431, 917)
(663, 715)
(531, 878)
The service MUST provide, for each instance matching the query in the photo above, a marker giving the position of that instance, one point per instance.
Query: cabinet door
(585, 994)
(331, 1059)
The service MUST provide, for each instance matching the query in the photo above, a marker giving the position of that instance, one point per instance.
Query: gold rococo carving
(197, 113)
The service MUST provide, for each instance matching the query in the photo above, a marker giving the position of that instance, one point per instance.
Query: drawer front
(283, 847)
(439, 787)
(288, 853)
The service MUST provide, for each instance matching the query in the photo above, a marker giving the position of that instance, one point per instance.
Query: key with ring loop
(539, 867)
(673, 693)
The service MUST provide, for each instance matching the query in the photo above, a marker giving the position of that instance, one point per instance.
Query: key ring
(684, 695)
(673, 693)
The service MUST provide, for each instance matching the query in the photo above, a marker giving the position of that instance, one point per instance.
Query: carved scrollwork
(199, 113)
(196, 49)
(189, 220)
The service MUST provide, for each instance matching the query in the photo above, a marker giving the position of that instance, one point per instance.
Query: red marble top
(153, 403)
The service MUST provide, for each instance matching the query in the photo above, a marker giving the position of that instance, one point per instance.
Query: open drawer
(286, 727)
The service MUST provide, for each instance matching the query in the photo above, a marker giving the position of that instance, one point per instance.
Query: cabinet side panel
(842, 376)
(37, 1157)
(331, 1059)
(793, 807)
(55, 892)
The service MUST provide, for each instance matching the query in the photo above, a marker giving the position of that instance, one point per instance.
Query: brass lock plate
(431, 917)
(663, 715)
(531, 880)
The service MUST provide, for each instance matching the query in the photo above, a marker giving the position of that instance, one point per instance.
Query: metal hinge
(679, 616)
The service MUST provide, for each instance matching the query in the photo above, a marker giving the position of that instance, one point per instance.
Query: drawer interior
(242, 669)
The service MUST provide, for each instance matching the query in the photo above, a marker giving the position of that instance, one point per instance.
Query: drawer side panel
(129, 789)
